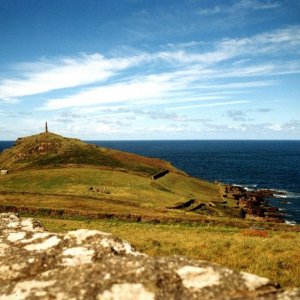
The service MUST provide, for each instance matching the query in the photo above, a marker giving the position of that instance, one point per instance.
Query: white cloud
(225, 103)
(239, 6)
(46, 76)
(237, 115)
(179, 86)
(285, 127)
(169, 80)
(212, 11)
(8, 100)
(162, 129)
(161, 89)
(184, 57)
(115, 93)
(105, 128)
(274, 127)
(257, 4)
(277, 41)
(269, 42)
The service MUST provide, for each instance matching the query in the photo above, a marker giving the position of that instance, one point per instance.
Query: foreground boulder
(89, 264)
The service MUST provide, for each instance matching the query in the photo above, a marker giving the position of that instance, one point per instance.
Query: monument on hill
(46, 127)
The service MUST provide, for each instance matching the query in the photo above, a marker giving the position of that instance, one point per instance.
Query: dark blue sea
(252, 164)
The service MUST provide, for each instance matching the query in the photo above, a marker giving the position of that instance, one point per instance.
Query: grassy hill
(49, 149)
(88, 179)
(70, 184)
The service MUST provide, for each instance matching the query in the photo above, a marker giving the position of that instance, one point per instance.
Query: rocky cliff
(86, 264)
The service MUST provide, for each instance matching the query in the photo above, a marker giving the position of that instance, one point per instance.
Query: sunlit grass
(121, 186)
(276, 256)
(227, 240)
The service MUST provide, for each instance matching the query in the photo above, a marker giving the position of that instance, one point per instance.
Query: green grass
(49, 149)
(192, 187)
(73, 173)
(56, 180)
(276, 257)
(119, 186)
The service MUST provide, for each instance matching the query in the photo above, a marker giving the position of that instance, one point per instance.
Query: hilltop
(48, 150)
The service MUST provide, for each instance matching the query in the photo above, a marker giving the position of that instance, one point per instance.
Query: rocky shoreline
(253, 204)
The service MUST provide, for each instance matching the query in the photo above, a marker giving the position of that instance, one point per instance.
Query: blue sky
(141, 69)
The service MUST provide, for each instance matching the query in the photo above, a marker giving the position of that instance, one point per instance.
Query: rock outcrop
(253, 204)
(89, 264)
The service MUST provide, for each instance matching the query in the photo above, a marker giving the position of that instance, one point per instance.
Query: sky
(150, 70)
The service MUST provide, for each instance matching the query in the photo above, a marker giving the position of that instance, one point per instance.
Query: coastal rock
(253, 204)
(90, 264)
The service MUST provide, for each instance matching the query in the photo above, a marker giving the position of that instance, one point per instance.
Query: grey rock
(90, 264)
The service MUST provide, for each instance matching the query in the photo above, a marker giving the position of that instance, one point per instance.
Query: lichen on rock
(90, 264)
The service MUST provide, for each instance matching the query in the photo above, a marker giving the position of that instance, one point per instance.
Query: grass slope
(88, 190)
(99, 188)
(271, 254)
(87, 178)
(49, 149)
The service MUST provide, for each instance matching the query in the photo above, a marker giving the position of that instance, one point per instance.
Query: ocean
(251, 164)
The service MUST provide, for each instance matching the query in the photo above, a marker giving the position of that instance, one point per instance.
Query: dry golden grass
(276, 256)
(255, 232)
(130, 192)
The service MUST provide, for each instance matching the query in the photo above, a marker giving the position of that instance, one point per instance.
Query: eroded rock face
(89, 264)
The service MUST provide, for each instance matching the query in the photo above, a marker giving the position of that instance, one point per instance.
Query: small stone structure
(3, 172)
(90, 264)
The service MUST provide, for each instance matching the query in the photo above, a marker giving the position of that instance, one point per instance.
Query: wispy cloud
(162, 89)
(289, 126)
(8, 100)
(264, 110)
(44, 76)
(212, 11)
(237, 115)
(155, 85)
(257, 5)
(225, 103)
(276, 42)
(115, 93)
(239, 6)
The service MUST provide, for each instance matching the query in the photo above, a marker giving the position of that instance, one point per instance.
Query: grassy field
(226, 240)
(70, 185)
(66, 192)
(118, 185)
(96, 190)
(50, 172)
(271, 254)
